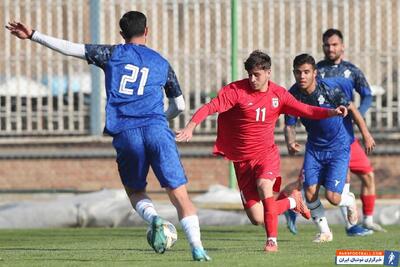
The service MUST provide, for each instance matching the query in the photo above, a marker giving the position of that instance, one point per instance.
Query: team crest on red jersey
(275, 102)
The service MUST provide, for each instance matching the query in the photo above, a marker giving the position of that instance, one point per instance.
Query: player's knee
(333, 198)
(256, 221)
(311, 195)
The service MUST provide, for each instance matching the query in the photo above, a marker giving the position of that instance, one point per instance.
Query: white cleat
(374, 227)
(323, 237)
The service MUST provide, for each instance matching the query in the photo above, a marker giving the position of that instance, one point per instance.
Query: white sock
(292, 203)
(346, 188)
(191, 227)
(146, 210)
(368, 220)
(318, 216)
(343, 210)
(347, 199)
(322, 224)
(273, 239)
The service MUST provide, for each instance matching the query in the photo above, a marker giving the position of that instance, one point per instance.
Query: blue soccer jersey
(327, 134)
(134, 78)
(347, 70)
(327, 152)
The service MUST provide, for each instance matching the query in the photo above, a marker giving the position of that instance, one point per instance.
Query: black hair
(133, 24)
(304, 59)
(331, 32)
(257, 59)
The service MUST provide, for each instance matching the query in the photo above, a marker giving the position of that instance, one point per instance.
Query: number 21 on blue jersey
(132, 78)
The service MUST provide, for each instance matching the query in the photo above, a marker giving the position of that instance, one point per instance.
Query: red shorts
(248, 171)
(359, 162)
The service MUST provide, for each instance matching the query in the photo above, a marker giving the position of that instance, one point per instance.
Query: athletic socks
(282, 205)
(146, 210)
(191, 227)
(271, 217)
(343, 209)
(318, 216)
(368, 204)
(347, 200)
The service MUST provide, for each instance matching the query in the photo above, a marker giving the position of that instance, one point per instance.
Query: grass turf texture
(227, 245)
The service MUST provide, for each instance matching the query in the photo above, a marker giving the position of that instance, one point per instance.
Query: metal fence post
(95, 72)
(234, 74)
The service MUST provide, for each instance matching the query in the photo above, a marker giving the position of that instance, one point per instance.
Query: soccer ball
(169, 231)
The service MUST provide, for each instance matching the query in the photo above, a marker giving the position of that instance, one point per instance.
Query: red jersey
(247, 118)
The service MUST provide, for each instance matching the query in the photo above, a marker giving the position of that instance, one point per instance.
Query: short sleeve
(172, 87)
(98, 55)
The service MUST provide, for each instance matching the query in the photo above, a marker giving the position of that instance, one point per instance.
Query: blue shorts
(327, 168)
(139, 148)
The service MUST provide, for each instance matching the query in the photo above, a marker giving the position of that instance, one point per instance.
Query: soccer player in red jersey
(248, 110)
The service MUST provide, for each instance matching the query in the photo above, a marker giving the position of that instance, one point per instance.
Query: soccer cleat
(358, 230)
(199, 254)
(291, 221)
(352, 213)
(158, 238)
(323, 237)
(271, 246)
(301, 207)
(374, 227)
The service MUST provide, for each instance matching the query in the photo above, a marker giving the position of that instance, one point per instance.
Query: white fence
(44, 93)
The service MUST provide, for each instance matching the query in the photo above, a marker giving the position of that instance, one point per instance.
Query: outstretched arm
(67, 48)
(187, 133)
(369, 141)
(296, 108)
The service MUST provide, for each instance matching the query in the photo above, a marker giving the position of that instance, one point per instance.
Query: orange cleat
(271, 246)
(301, 207)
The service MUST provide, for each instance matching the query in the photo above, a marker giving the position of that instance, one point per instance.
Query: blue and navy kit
(347, 70)
(327, 152)
(128, 67)
(327, 134)
(135, 77)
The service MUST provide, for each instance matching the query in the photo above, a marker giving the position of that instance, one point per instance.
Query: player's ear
(146, 31)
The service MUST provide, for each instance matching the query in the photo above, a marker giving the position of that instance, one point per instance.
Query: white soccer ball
(169, 231)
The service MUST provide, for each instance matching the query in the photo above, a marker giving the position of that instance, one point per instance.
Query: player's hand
(293, 148)
(369, 143)
(186, 133)
(340, 111)
(19, 29)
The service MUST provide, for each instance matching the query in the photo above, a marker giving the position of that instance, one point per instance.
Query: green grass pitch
(227, 245)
